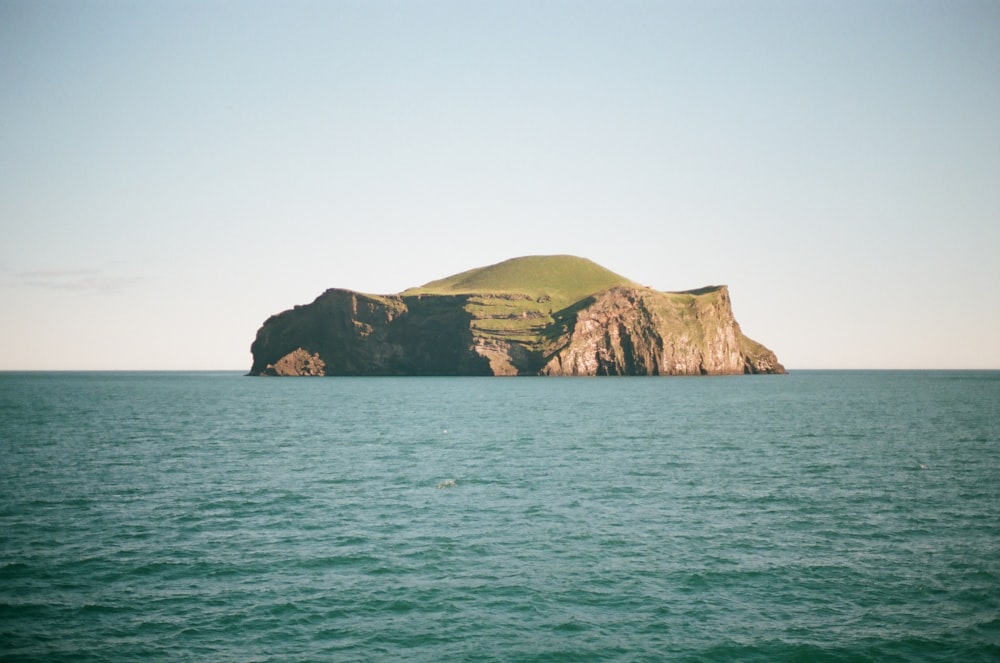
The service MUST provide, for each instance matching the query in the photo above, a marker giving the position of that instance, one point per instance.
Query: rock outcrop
(628, 331)
(298, 362)
(624, 329)
(350, 333)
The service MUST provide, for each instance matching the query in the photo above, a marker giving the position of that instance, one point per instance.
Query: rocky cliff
(522, 317)
(628, 331)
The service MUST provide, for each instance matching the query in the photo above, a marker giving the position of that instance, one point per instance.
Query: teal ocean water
(819, 516)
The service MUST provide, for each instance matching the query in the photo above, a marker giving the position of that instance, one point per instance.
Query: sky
(173, 172)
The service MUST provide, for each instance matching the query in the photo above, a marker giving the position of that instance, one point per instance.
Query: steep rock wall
(624, 330)
(638, 331)
(347, 333)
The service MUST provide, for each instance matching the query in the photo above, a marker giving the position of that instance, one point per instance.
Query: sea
(209, 516)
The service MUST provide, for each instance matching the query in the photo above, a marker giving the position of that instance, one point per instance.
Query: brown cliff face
(349, 333)
(632, 331)
(624, 329)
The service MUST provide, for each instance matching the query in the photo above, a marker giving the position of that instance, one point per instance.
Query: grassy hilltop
(520, 299)
(563, 279)
(533, 302)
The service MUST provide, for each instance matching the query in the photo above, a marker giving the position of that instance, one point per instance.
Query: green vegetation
(532, 302)
(518, 300)
(563, 280)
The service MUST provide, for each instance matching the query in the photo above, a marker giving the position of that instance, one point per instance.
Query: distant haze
(172, 173)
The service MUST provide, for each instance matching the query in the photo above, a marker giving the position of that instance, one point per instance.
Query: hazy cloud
(75, 280)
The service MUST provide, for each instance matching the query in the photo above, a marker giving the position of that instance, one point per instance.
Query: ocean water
(819, 516)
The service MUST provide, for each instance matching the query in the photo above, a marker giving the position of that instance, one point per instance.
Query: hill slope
(564, 279)
(536, 315)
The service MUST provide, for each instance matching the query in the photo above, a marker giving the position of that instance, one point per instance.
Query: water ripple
(824, 516)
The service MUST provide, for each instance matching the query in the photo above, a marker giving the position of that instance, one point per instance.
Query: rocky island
(536, 315)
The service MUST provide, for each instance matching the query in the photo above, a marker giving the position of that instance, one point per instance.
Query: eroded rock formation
(629, 331)
(355, 334)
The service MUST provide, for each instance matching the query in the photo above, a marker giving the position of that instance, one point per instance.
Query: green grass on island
(562, 279)
(530, 300)
(516, 300)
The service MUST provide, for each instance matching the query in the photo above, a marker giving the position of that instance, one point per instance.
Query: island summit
(536, 315)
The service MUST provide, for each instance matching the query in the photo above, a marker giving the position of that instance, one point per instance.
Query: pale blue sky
(173, 172)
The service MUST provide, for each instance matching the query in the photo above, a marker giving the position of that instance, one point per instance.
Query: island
(534, 315)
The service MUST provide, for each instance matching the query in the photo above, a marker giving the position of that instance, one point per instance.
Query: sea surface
(818, 516)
